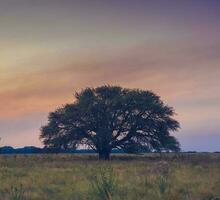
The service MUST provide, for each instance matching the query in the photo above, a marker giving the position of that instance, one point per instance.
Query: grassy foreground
(76, 177)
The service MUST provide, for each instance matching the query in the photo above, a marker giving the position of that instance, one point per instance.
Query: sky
(51, 48)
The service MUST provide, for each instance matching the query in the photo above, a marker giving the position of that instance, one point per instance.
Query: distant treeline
(37, 150)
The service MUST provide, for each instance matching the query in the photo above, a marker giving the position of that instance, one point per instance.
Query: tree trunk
(104, 155)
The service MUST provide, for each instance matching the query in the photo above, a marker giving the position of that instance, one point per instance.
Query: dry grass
(76, 177)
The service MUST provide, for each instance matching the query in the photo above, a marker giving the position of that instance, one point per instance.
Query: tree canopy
(109, 117)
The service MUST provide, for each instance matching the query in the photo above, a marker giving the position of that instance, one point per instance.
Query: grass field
(76, 177)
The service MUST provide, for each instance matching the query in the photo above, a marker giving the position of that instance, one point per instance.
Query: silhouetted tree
(109, 117)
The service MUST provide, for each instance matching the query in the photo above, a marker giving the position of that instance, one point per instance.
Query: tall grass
(104, 185)
(162, 185)
(76, 177)
(17, 193)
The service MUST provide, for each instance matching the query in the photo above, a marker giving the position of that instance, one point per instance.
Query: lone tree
(106, 118)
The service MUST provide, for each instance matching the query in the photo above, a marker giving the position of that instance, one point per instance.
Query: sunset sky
(51, 48)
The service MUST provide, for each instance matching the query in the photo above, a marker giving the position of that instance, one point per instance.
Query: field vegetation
(126, 177)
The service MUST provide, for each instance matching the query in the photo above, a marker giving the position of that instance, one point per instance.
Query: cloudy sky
(51, 48)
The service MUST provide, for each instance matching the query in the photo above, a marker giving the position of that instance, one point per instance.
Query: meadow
(169, 176)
